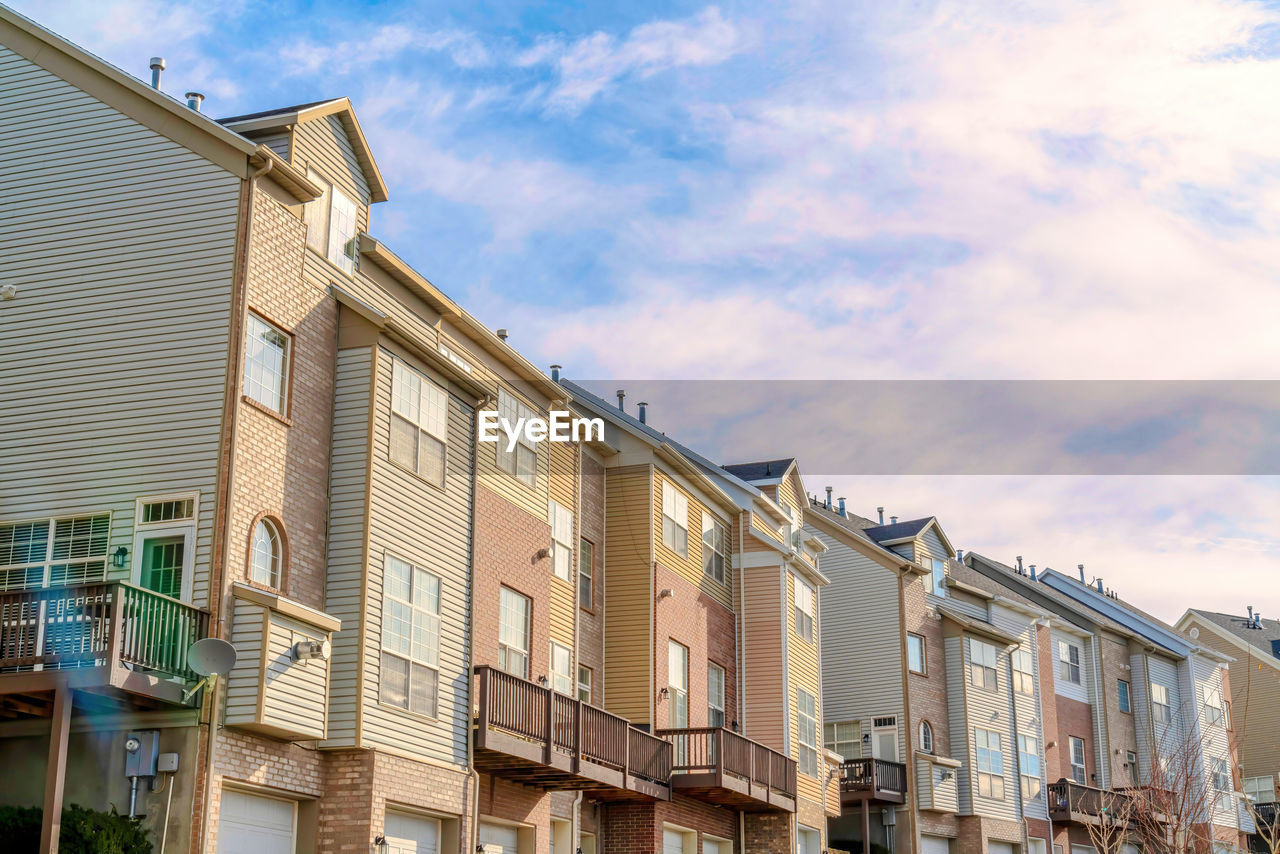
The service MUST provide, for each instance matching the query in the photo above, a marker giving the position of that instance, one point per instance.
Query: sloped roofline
(1196, 616)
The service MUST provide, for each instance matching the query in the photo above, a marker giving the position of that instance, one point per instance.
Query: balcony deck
(126, 645)
(1073, 803)
(540, 738)
(874, 781)
(719, 766)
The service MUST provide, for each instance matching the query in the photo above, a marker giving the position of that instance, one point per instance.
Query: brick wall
(928, 695)
(767, 834)
(1121, 731)
(636, 828)
(511, 801)
(707, 628)
(1074, 719)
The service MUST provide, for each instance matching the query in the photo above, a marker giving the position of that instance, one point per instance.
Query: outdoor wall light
(119, 556)
(664, 693)
(866, 738)
(542, 680)
(380, 845)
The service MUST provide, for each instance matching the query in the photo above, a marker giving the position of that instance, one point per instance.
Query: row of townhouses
(241, 439)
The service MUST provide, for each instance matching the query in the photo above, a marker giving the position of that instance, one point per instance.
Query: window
(513, 633)
(561, 541)
(915, 654)
(172, 510)
(1131, 764)
(266, 364)
(1069, 662)
(584, 683)
(715, 694)
(521, 461)
(419, 423)
(678, 683)
(675, 520)
(1078, 772)
(561, 669)
(331, 223)
(1029, 766)
(714, 547)
(1160, 708)
(990, 763)
(586, 565)
(1221, 774)
(1024, 680)
(807, 711)
(54, 551)
(926, 736)
(982, 664)
(264, 563)
(164, 545)
(410, 638)
(1122, 696)
(804, 611)
(1214, 713)
(938, 577)
(844, 738)
(1260, 789)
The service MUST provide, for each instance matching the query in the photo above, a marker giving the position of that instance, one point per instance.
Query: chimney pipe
(842, 510)
(1033, 572)
(880, 510)
(1080, 567)
(893, 520)
(194, 100)
(502, 335)
(157, 65)
(1019, 564)
(555, 373)
(642, 405)
(959, 555)
(828, 504)
(622, 394)
(1099, 583)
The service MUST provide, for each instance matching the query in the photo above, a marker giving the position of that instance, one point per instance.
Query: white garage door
(498, 838)
(672, 842)
(935, 845)
(411, 834)
(253, 824)
(1082, 849)
(716, 846)
(994, 847)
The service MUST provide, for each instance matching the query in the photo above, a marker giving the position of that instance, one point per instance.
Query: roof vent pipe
(1080, 567)
(1033, 572)
(842, 510)
(502, 334)
(1019, 564)
(959, 555)
(893, 520)
(828, 504)
(641, 406)
(1099, 583)
(194, 100)
(622, 395)
(157, 65)
(555, 373)
(880, 510)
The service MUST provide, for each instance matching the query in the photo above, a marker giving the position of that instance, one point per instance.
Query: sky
(828, 190)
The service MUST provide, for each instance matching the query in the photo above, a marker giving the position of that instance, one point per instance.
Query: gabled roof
(1022, 589)
(901, 532)
(768, 470)
(289, 116)
(1153, 629)
(1265, 639)
(851, 528)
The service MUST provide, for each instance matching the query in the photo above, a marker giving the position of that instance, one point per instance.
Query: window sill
(324, 256)
(400, 710)
(285, 420)
(404, 468)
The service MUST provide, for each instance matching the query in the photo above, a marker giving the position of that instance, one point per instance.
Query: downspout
(1040, 717)
(222, 538)
(741, 703)
(465, 845)
(909, 738)
(575, 825)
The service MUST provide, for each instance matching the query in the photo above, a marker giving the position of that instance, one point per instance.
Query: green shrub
(84, 831)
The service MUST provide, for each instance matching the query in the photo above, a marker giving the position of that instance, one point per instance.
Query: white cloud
(309, 57)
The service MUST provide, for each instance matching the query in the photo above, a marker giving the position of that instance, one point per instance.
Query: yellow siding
(787, 492)
(802, 668)
(765, 526)
(764, 691)
(689, 567)
(628, 592)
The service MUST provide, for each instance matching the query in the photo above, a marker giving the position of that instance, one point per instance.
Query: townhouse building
(1253, 644)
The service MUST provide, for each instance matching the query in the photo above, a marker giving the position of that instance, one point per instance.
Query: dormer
(779, 506)
(921, 541)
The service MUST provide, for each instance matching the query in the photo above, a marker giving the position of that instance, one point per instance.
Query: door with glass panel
(678, 698)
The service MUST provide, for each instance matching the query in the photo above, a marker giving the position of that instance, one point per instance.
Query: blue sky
(824, 189)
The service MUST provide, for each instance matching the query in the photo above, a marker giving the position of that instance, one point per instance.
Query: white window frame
(937, 577)
(562, 681)
(275, 573)
(430, 625)
(281, 405)
(1219, 774)
(1022, 664)
(1215, 710)
(1029, 767)
(989, 763)
(1069, 669)
(715, 549)
(984, 659)
(344, 225)
(586, 574)
(427, 416)
(678, 683)
(715, 695)
(186, 528)
(584, 685)
(675, 509)
(1260, 789)
(521, 462)
(839, 733)
(1161, 708)
(807, 732)
(1124, 696)
(916, 642)
(561, 519)
(507, 649)
(1077, 760)
(926, 736)
(805, 608)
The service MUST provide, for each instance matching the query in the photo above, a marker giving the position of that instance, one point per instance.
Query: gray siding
(957, 720)
(1025, 708)
(121, 244)
(242, 682)
(990, 710)
(323, 144)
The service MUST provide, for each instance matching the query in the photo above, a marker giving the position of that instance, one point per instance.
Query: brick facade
(707, 628)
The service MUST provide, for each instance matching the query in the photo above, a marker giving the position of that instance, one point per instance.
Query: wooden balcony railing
(543, 738)
(137, 638)
(1265, 813)
(874, 780)
(1070, 801)
(722, 766)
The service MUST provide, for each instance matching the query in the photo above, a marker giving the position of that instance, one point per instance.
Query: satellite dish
(211, 657)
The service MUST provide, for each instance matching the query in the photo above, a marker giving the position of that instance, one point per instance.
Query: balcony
(1265, 815)
(108, 638)
(874, 780)
(720, 766)
(540, 738)
(1070, 802)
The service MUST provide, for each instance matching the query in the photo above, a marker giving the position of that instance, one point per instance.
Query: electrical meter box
(141, 749)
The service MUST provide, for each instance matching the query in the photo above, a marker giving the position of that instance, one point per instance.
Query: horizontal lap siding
(121, 243)
(957, 720)
(989, 710)
(690, 567)
(295, 691)
(764, 677)
(348, 487)
(243, 683)
(802, 666)
(628, 596)
(1255, 701)
(430, 528)
(324, 145)
(1026, 707)
(1213, 737)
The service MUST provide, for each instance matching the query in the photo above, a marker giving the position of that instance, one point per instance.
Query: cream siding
(690, 567)
(628, 595)
(802, 670)
(766, 699)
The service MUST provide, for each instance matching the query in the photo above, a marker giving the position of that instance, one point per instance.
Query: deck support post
(55, 770)
(866, 827)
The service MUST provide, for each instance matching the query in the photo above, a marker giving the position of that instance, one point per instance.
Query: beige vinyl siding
(628, 598)
(765, 526)
(277, 141)
(767, 701)
(323, 144)
(802, 671)
(989, 710)
(931, 544)
(344, 581)
(958, 719)
(242, 682)
(429, 527)
(690, 568)
(1143, 724)
(563, 467)
(121, 243)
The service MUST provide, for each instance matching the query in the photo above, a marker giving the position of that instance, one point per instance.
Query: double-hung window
(419, 423)
(807, 713)
(561, 541)
(675, 519)
(983, 659)
(266, 364)
(804, 609)
(1221, 773)
(678, 683)
(513, 632)
(586, 573)
(561, 669)
(1261, 790)
(1069, 662)
(1123, 698)
(331, 223)
(1029, 766)
(915, 654)
(715, 694)
(521, 461)
(584, 683)
(714, 547)
(938, 576)
(1214, 713)
(1078, 771)
(54, 551)
(1024, 681)
(1161, 708)
(990, 763)
(844, 738)
(410, 638)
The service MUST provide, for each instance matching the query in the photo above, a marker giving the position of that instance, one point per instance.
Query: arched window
(926, 737)
(264, 554)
